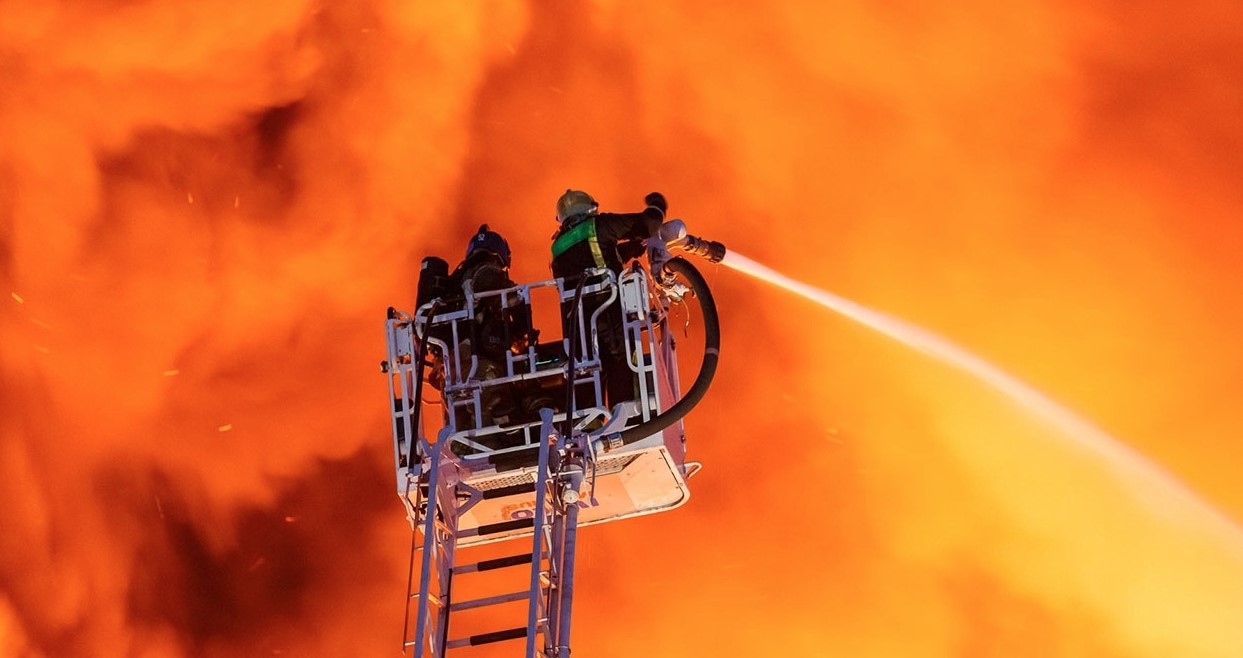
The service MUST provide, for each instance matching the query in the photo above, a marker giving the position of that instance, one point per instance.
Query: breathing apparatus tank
(434, 280)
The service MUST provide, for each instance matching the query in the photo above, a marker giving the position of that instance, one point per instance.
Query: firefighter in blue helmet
(486, 263)
(485, 268)
(498, 328)
(589, 239)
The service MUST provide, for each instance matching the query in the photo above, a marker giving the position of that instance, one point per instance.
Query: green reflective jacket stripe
(583, 232)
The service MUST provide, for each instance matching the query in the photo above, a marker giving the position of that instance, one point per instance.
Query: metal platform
(495, 454)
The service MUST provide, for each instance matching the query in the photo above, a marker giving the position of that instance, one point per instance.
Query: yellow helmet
(573, 203)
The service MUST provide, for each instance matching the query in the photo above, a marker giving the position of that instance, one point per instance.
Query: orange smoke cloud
(205, 210)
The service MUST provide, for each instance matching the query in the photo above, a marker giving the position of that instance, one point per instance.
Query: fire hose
(707, 369)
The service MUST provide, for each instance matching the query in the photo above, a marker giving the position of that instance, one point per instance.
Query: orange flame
(205, 209)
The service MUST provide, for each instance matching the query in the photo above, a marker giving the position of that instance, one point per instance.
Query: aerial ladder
(519, 454)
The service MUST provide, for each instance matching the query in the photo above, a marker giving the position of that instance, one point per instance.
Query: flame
(205, 209)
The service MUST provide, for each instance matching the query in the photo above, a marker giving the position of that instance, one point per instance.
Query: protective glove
(657, 255)
(656, 200)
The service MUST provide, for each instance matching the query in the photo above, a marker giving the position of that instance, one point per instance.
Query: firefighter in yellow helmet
(589, 239)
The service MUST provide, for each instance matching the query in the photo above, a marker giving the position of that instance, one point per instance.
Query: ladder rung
(503, 526)
(512, 490)
(490, 600)
(512, 461)
(497, 563)
(488, 638)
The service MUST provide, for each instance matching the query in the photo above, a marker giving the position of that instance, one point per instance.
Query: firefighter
(589, 239)
(496, 329)
(486, 263)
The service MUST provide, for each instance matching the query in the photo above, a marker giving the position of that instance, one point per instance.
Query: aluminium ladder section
(440, 471)
(548, 586)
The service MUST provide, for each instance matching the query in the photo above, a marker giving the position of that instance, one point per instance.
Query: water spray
(673, 235)
(1085, 435)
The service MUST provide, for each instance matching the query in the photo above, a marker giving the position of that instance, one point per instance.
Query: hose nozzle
(674, 234)
(711, 249)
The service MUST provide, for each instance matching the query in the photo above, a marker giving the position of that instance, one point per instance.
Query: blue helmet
(490, 241)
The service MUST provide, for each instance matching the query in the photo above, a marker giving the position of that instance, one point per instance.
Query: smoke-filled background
(206, 207)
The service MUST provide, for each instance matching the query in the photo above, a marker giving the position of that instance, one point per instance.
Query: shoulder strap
(584, 231)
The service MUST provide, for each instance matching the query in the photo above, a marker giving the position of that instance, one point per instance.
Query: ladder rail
(565, 589)
(552, 604)
(429, 541)
(450, 511)
(570, 482)
(548, 434)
